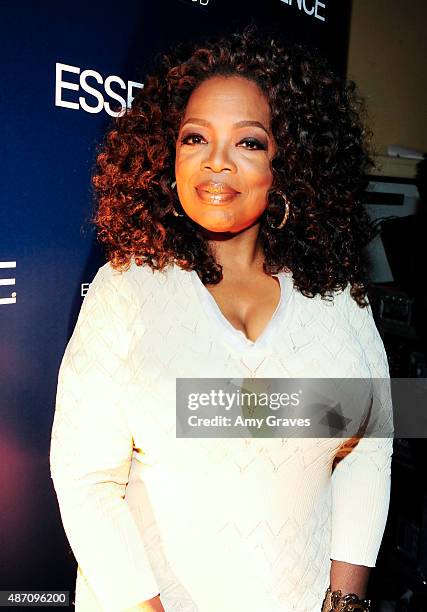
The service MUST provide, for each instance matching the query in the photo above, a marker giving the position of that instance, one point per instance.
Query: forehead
(230, 96)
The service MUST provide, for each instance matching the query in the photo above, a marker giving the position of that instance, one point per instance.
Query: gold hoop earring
(285, 216)
(177, 214)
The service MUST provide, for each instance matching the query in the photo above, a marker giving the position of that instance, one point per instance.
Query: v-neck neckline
(236, 336)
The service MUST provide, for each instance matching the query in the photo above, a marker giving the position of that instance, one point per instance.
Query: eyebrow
(244, 123)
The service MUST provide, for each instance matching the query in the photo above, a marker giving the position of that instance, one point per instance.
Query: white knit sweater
(219, 524)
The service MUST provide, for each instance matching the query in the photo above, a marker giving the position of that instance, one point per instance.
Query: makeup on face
(223, 154)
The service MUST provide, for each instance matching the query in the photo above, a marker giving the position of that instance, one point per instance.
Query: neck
(237, 253)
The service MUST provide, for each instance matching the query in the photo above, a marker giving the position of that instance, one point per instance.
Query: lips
(216, 188)
(216, 193)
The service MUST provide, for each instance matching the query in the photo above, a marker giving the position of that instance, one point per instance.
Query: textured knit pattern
(214, 524)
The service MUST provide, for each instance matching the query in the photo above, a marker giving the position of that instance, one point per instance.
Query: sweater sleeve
(91, 448)
(361, 480)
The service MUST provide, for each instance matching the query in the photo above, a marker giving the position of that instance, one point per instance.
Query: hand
(150, 605)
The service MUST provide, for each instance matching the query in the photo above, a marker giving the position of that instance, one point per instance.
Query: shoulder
(110, 313)
(135, 282)
(125, 294)
(359, 317)
(109, 277)
(339, 303)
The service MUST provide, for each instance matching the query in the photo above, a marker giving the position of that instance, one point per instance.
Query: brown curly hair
(320, 165)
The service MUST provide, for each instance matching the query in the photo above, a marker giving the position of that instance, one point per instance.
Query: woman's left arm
(361, 480)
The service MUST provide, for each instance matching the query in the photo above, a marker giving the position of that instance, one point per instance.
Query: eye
(253, 144)
(192, 137)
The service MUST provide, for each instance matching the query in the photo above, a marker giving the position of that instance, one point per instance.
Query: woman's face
(223, 154)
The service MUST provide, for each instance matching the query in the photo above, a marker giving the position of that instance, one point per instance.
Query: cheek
(259, 175)
(185, 166)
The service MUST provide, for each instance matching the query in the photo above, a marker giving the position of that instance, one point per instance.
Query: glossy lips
(215, 192)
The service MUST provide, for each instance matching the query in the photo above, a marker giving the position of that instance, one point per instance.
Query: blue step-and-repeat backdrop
(65, 68)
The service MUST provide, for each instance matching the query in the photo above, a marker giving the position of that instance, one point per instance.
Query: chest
(247, 304)
(180, 334)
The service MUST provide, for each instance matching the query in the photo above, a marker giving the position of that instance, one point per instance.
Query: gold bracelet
(335, 601)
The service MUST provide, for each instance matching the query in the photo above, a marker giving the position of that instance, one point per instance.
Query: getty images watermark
(301, 408)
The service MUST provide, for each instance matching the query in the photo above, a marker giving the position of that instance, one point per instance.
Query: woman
(229, 203)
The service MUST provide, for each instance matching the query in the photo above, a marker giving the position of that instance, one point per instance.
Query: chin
(213, 218)
(214, 227)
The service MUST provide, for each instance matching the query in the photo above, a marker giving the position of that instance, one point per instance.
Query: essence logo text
(312, 8)
(7, 282)
(95, 90)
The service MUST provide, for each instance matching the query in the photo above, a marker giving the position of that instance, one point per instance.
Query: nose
(217, 159)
